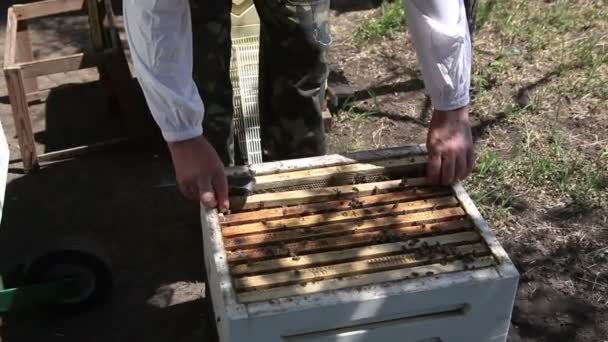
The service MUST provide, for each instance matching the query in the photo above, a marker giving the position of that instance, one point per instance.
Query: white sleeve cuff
(173, 136)
(452, 104)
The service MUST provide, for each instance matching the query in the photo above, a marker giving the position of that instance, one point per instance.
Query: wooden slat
(309, 209)
(328, 160)
(362, 280)
(327, 119)
(348, 215)
(338, 175)
(334, 243)
(352, 254)
(95, 25)
(11, 38)
(54, 65)
(319, 195)
(21, 116)
(46, 8)
(110, 25)
(79, 150)
(23, 53)
(40, 95)
(347, 269)
(333, 230)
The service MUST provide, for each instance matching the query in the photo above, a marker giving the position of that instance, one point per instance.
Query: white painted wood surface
(462, 306)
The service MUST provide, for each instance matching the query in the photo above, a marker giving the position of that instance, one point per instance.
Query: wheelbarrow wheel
(85, 269)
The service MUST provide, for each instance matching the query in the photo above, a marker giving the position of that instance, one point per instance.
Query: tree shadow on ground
(545, 308)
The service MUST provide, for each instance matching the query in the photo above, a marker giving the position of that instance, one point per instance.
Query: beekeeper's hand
(200, 172)
(450, 146)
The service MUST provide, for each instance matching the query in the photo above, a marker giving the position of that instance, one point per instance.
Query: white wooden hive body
(356, 248)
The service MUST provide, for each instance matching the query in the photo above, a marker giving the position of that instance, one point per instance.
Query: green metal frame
(12, 299)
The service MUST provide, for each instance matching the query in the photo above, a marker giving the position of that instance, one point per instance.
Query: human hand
(200, 172)
(450, 146)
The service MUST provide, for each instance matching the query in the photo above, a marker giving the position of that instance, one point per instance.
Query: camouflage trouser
(293, 71)
(471, 8)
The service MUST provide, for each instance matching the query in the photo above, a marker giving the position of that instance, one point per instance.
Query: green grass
(389, 20)
(559, 168)
(520, 42)
(543, 163)
(530, 23)
(355, 113)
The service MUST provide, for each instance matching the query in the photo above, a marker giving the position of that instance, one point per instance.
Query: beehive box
(355, 248)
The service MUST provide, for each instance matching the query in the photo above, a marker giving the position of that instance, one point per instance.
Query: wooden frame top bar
(327, 161)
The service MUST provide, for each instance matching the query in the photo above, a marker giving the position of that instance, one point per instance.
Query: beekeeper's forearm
(442, 40)
(159, 33)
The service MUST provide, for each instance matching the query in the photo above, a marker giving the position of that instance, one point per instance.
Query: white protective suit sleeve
(159, 33)
(442, 40)
(4, 158)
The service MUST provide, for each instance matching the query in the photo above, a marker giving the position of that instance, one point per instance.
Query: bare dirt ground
(551, 223)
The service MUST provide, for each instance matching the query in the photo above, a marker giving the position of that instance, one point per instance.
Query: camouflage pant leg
(471, 8)
(211, 42)
(295, 38)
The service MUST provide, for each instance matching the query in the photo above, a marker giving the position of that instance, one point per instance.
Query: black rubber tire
(73, 262)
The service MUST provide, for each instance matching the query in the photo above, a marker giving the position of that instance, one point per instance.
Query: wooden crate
(356, 248)
(21, 70)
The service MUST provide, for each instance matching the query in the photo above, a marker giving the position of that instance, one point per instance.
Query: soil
(124, 199)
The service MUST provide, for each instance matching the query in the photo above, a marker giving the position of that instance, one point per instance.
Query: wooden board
(46, 8)
(11, 38)
(55, 65)
(21, 116)
(23, 53)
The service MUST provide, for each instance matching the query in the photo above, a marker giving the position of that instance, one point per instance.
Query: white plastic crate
(289, 265)
(244, 75)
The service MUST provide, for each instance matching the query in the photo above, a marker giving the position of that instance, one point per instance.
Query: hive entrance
(339, 227)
